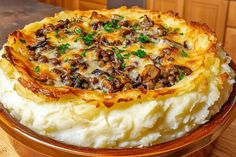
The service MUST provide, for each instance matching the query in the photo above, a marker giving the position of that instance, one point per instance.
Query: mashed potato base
(135, 124)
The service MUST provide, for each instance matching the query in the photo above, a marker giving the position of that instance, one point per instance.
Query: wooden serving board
(224, 146)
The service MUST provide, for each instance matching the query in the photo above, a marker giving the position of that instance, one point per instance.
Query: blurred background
(220, 15)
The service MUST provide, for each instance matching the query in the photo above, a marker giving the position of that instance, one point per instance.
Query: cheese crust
(182, 77)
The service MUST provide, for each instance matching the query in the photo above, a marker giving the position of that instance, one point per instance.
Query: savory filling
(107, 54)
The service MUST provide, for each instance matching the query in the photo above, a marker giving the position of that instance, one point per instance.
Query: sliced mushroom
(62, 24)
(106, 84)
(98, 72)
(135, 76)
(38, 45)
(97, 25)
(150, 72)
(40, 33)
(54, 61)
(124, 23)
(43, 59)
(187, 45)
(149, 85)
(159, 85)
(161, 31)
(167, 51)
(127, 86)
(96, 16)
(104, 41)
(186, 70)
(146, 23)
(128, 32)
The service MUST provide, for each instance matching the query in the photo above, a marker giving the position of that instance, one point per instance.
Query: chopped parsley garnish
(141, 17)
(77, 80)
(104, 91)
(115, 21)
(77, 39)
(65, 60)
(121, 17)
(116, 49)
(181, 75)
(119, 56)
(110, 78)
(139, 53)
(73, 67)
(68, 31)
(181, 33)
(143, 38)
(184, 53)
(158, 64)
(108, 27)
(175, 30)
(77, 31)
(126, 56)
(57, 33)
(62, 48)
(36, 69)
(142, 47)
(83, 54)
(117, 26)
(88, 39)
(22, 41)
(136, 27)
(93, 33)
(123, 65)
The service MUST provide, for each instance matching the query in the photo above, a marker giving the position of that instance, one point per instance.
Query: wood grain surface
(224, 146)
(15, 14)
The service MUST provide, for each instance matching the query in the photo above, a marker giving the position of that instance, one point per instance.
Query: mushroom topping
(184, 69)
(149, 85)
(119, 59)
(161, 31)
(150, 72)
(124, 23)
(135, 76)
(146, 23)
(104, 41)
(54, 61)
(128, 32)
(127, 86)
(97, 25)
(159, 85)
(98, 72)
(62, 24)
(43, 59)
(167, 51)
(106, 85)
(38, 45)
(40, 33)
(187, 45)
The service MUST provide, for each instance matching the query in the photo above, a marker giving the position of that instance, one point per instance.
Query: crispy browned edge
(108, 99)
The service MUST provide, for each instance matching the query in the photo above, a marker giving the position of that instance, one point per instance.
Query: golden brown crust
(16, 55)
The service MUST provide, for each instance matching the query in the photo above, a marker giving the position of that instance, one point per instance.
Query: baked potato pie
(114, 78)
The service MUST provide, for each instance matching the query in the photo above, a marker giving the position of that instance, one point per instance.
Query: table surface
(14, 14)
